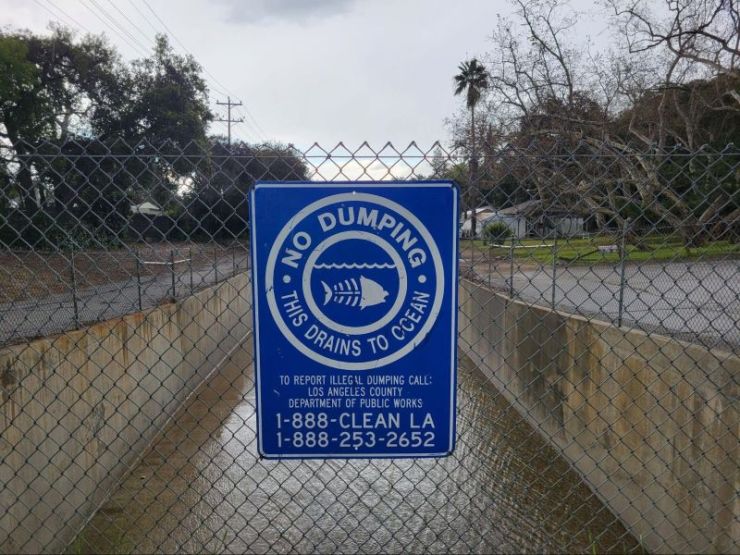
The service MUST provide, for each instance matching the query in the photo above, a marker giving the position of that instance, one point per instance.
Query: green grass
(584, 251)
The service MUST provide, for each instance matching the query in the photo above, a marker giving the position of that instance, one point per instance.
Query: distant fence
(73, 288)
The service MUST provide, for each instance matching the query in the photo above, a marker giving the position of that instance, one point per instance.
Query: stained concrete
(79, 408)
(650, 422)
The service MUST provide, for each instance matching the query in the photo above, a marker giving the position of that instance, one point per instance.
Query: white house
(533, 218)
(480, 214)
(515, 222)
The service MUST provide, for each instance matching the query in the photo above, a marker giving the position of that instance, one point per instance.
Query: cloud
(297, 11)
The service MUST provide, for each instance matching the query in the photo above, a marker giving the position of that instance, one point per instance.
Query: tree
(698, 35)
(622, 134)
(170, 99)
(53, 88)
(165, 120)
(693, 86)
(17, 76)
(88, 135)
(547, 101)
(539, 83)
(473, 81)
(217, 204)
(439, 163)
(689, 99)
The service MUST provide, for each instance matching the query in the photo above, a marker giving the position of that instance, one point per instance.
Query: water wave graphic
(354, 266)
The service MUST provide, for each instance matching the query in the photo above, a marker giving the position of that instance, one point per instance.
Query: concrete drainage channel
(204, 475)
(104, 393)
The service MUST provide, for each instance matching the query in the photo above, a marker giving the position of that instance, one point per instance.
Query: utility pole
(228, 119)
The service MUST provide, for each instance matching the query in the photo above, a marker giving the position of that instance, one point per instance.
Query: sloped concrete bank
(79, 408)
(650, 422)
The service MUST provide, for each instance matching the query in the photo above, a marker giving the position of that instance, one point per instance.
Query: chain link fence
(599, 353)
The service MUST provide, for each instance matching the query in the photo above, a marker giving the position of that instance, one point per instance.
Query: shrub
(496, 233)
(44, 230)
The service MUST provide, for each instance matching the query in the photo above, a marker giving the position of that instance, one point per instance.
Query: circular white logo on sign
(354, 281)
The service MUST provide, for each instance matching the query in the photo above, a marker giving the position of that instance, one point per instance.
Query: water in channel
(201, 487)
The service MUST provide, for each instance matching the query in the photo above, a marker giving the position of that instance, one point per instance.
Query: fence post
(172, 271)
(511, 269)
(233, 260)
(74, 291)
(622, 270)
(215, 264)
(190, 265)
(490, 264)
(138, 276)
(554, 267)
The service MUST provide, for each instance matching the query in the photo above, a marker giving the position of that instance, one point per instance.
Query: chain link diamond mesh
(599, 353)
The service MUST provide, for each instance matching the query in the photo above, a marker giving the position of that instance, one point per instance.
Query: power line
(143, 16)
(178, 41)
(109, 26)
(220, 88)
(119, 29)
(144, 33)
(117, 25)
(205, 70)
(68, 19)
(132, 23)
(255, 124)
(141, 32)
(258, 131)
(64, 14)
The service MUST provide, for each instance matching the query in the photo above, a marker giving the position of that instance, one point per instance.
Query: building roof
(535, 208)
(480, 210)
(146, 208)
(523, 209)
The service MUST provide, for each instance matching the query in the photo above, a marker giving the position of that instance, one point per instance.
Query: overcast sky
(306, 70)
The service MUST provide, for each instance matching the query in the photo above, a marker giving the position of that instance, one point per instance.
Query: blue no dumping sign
(355, 313)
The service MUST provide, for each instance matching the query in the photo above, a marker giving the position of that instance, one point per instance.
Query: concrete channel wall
(78, 409)
(651, 423)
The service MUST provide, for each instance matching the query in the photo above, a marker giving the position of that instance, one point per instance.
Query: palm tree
(473, 80)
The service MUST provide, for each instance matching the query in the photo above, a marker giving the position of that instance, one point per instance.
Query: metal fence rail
(599, 354)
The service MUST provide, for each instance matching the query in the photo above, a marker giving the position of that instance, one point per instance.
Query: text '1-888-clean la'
(356, 430)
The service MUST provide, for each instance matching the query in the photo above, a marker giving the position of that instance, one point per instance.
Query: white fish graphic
(348, 292)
